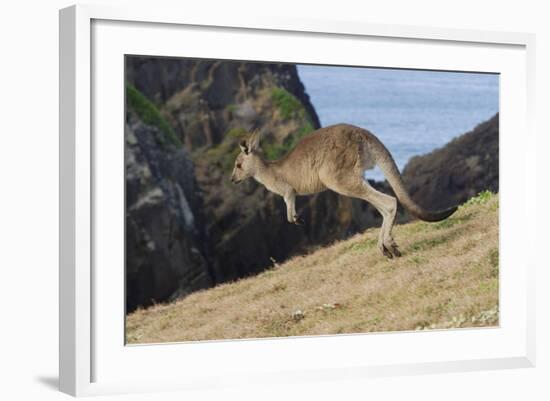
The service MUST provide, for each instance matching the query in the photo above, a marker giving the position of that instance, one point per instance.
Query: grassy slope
(447, 277)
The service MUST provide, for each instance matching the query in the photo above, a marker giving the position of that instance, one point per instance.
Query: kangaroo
(335, 158)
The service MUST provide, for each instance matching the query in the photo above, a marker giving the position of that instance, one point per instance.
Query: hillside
(447, 277)
(457, 171)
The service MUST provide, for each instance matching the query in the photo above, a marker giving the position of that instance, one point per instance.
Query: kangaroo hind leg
(385, 204)
(387, 207)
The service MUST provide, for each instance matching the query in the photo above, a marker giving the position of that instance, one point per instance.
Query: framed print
(260, 200)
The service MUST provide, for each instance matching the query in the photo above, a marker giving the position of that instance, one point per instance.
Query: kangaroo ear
(244, 147)
(254, 141)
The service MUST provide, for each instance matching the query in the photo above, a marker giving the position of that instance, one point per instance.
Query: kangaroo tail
(386, 163)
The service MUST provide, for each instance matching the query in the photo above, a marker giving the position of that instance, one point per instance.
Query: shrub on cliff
(149, 114)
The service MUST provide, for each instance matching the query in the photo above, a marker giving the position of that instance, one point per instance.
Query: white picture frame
(89, 356)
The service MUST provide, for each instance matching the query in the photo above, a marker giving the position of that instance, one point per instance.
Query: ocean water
(412, 112)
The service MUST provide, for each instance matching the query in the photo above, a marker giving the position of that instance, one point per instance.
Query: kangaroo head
(248, 161)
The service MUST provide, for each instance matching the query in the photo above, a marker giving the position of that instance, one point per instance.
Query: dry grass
(446, 278)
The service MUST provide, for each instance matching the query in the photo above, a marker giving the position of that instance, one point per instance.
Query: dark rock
(204, 99)
(454, 173)
(164, 228)
(210, 104)
(158, 78)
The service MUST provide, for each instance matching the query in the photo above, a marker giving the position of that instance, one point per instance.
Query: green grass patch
(494, 257)
(226, 152)
(417, 260)
(237, 132)
(480, 199)
(289, 107)
(292, 140)
(451, 222)
(224, 155)
(363, 245)
(494, 263)
(429, 243)
(287, 103)
(150, 115)
(488, 286)
(415, 227)
(494, 206)
(274, 151)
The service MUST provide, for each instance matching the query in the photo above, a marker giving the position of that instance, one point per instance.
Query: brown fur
(334, 158)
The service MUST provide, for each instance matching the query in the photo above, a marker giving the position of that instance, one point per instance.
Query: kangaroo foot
(390, 251)
(386, 252)
(395, 250)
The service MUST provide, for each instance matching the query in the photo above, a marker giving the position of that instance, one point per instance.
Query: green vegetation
(287, 104)
(450, 222)
(427, 243)
(274, 151)
(480, 199)
(293, 139)
(150, 115)
(237, 132)
(292, 110)
(494, 263)
(363, 245)
(231, 107)
(417, 260)
(226, 152)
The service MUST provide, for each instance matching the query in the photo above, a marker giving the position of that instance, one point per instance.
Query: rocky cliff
(204, 99)
(211, 105)
(461, 169)
(165, 237)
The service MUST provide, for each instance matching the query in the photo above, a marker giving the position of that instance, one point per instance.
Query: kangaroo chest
(301, 180)
(310, 187)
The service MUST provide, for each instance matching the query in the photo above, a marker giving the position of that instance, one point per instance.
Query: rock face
(204, 99)
(211, 105)
(461, 169)
(165, 254)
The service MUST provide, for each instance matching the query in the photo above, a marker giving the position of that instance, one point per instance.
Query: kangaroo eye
(239, 165)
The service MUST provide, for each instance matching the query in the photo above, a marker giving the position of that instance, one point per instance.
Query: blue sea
(412, 112)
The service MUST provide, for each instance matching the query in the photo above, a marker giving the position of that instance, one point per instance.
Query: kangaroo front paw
(298, 220)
